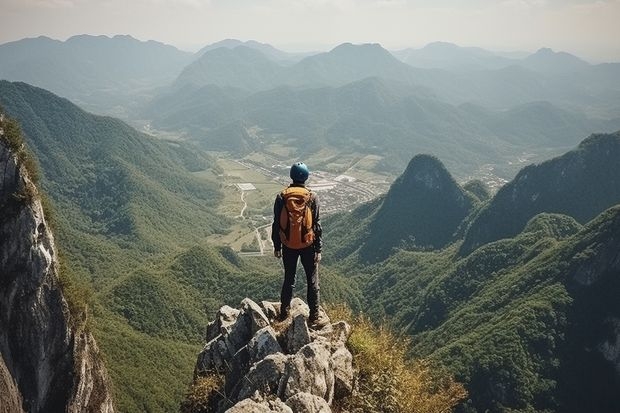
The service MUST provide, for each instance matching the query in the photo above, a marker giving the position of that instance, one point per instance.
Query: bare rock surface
(48, 361)
(276, 366)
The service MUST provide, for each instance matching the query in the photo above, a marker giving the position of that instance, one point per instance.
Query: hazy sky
(588, 28)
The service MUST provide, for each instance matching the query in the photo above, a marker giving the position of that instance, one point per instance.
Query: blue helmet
(299, 172)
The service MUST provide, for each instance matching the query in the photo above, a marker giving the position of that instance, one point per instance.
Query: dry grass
(203, 394)
(386, 381)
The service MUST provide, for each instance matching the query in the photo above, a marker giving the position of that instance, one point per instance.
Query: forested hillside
(527, 321)
(132, 222)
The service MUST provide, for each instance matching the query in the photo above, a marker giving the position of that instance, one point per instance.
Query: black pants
(289, 258)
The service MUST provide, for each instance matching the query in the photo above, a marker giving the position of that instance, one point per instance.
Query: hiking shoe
(318, 321)
(283, 314)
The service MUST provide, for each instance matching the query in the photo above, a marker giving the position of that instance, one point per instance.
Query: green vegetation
(580, 184)
(137, 217)
(387, 380)
(515, 320)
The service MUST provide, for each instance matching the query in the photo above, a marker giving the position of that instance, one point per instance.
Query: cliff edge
(48, 361)
(255, 363)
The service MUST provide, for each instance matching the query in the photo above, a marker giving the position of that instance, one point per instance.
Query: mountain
(581, 183)
(135, 216)
(527, 320)
(546, 60)
(390, 119)
(422, 209)
(267, 49)
(250, 68)
(49, 360)
(442, 55)
(348, 63)
(126, 204)
(241, 67)
(98, 72)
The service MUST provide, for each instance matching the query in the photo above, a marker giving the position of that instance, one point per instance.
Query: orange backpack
(296, 218)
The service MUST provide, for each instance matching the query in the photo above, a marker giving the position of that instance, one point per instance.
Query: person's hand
(317, 257)
(277, 253)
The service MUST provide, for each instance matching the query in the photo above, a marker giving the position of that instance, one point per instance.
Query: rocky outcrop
(276, 366)
(48, 362)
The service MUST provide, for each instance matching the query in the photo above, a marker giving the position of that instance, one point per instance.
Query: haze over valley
(469, 191)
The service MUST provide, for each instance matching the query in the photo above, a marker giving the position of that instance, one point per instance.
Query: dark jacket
(316, 223)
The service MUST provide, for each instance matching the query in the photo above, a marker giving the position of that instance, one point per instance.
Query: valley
(250, 185)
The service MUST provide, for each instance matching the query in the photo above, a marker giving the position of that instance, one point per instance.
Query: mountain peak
(426, 170)
(563, 185)
(422, 209)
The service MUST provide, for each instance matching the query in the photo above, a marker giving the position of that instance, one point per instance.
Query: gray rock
(214, 357)
(258, 319)
(250, 320)
(341, 331)
(342, 362)
(308, 403)
(271, 309)
(49, 360)
(299, 307)
(264, 377)
(309, 371)
(297, 334)
(263, 344)
(238, 367)
(225, 317)
(249, 406)
(262, 406)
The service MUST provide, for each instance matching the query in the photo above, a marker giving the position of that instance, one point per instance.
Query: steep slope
(133, 221)
(581, 183)
(528, 322)
(126, 203)
(539, 329)
(48, 360)
(422, 209)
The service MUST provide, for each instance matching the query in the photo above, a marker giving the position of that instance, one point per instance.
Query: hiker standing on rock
(296, 233)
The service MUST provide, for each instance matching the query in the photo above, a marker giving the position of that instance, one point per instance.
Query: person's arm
(275, 226)
(316, 220)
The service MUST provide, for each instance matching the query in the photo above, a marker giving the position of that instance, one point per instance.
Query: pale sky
(587, 28)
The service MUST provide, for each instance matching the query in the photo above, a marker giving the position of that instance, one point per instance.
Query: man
(296, 233)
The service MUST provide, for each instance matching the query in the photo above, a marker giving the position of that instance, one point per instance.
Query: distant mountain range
(374, 115)
(118, 75)
(97, 72)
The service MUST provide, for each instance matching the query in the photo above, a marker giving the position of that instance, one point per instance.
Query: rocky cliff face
(271, 366)
(48, 363)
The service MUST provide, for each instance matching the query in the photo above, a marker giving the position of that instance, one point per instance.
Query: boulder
(297, 334)
(264, 377)
(264, 406)
(225, 317)
(342, 363)
(263, 344)
(308, 403)
(309, 371)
